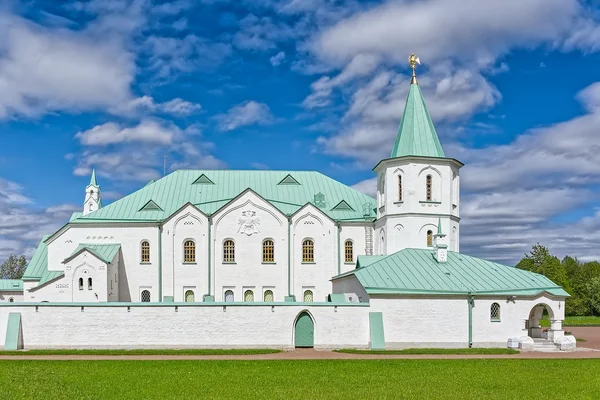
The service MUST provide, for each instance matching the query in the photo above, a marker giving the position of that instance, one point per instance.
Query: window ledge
(229, 262)
(399, 202)
(145, 263)
(495, 320)
(269, 263)
(308, 262)
(349, 262)
(430, 202)
(190, 263)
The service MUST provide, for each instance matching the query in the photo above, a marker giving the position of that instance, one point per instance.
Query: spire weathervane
(413, 60)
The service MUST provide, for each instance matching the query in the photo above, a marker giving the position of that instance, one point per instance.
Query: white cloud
(261, 33)
(277, 59)
(148, 131)
(246, 113)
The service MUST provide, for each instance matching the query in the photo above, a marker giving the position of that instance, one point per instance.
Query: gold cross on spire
(413, 60)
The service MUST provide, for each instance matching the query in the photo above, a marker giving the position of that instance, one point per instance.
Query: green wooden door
(305, 331)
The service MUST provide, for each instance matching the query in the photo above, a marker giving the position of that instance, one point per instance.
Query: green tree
(13, 268)
(540, 261)
(593, 288)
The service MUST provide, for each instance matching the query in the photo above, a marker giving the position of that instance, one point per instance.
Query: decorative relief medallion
(248, 223)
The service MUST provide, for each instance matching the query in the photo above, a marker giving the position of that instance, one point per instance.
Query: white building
(279, 259)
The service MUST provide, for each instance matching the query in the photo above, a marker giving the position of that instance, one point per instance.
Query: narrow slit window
(429, 238)
(348, 251)
(308, 251)
(189, 251)
(80, 283)
(399, 187)
(228, 251)
(89, 283)
(428, 187)
(268, 251)
(145, 251)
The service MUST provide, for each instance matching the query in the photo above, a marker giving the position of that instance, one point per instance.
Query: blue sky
(513, 87)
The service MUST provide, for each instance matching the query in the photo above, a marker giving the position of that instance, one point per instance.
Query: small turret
(92, 201)
(440, 244)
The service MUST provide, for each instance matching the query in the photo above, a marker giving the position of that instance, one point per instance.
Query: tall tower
(418, 186)
(92, 201)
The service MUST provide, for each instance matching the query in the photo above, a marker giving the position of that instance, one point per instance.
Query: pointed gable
(342, 206)
(288, 180)
(203, 180)
(416, 135)
(150, 206)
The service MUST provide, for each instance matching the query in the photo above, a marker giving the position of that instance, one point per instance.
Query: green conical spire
(93, 178)
(416, 135)
(440, 227)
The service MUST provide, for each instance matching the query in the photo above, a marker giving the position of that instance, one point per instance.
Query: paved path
(588, 349)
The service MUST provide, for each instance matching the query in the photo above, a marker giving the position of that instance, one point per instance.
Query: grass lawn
(432, 351)
(309, 379)
(182, 352)
(574, 321)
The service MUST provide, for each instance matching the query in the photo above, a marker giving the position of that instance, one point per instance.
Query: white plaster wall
(5, 297)
(512, 318)
(423, 322)
(311, 223)
(189, 326)
(134, 274)
(249, 272)
(356, 234)
(178, 276)
(349, 284)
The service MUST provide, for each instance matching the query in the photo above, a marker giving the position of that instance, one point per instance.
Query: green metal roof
(416, 271)
(11, 285)
(181, 187)
(39, 262)
(416, 135)
(105, 252)
(48, 276)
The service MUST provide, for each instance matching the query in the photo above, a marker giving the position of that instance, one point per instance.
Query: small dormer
(440, 244)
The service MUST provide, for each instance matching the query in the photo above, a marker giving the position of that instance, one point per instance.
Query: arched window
(268, 298)
(145, 296)
(145, 248)
(348, 251)
(308, 251)
(189, 296)
(248, 296)
(495, 312)
(428, 185)
(228, 251)
(10, 300)
(90, 207)
(80, 283)
(229, 296)
(189, 251)
(89, 283)
(399, 187)
(308, 296)
(429, 238)
(268, 251)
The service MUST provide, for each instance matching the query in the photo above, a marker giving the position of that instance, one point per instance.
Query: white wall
(5, 297)
(189, 326)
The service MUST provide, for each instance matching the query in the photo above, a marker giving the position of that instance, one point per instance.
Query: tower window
(308, 251)
(399, 187)
(189, 251)
(80, 283)
(429, 238)
(428, 185)
(348, 251)
(268, 251)
(228, 251)
(145, 251)
(89, 283)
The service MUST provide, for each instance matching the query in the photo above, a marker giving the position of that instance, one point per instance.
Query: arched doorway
(538, 313)
(304, 331)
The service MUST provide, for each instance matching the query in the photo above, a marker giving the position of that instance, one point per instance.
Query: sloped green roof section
(177, 189)
(39, 262)
(416, 135)
(288, 180)
(11, 285)
(48, 276)
(150, 206)
(416, 271)
(105, 252)
(203, 180)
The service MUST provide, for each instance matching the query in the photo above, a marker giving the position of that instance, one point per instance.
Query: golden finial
(413, 60)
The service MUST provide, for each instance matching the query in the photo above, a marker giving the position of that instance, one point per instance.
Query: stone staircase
(546, 345)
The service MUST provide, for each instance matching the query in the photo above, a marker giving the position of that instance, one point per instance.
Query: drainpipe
(339, 256)
(471, 303)
(209, 252)
(160, 229)
(289, 258)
